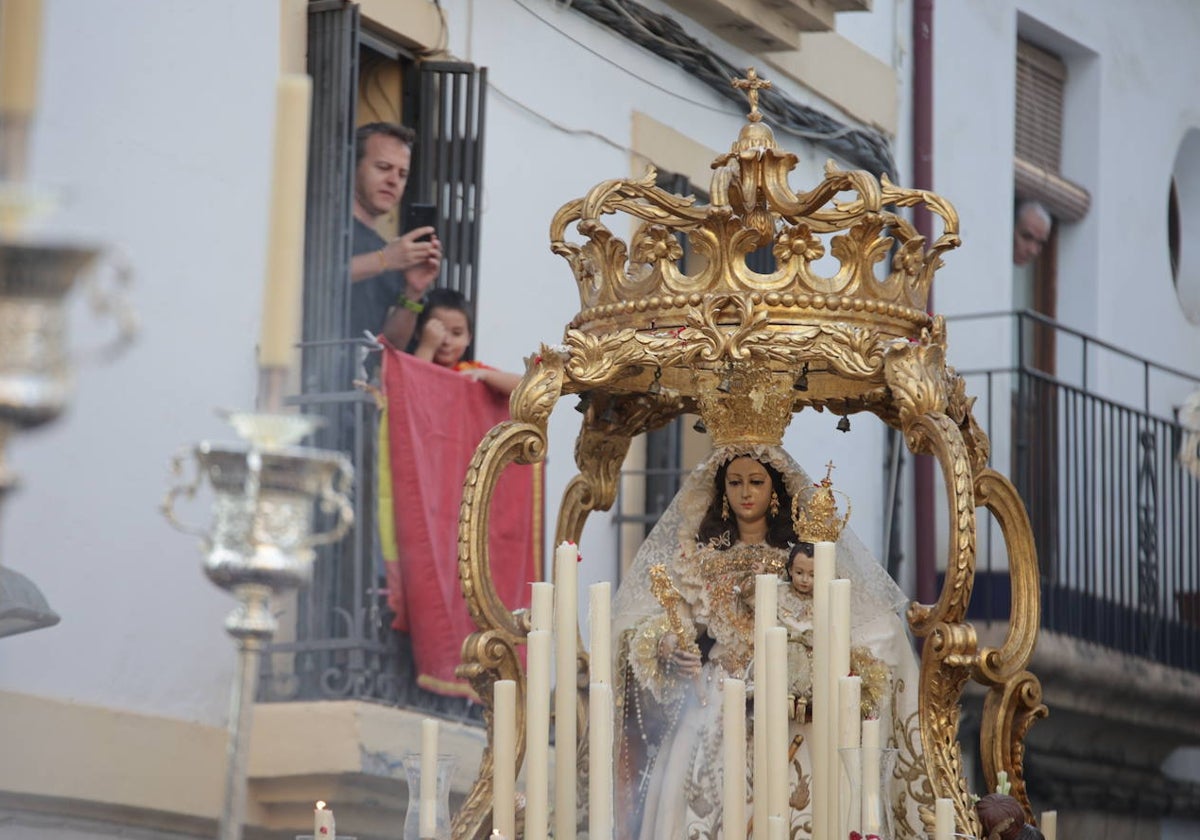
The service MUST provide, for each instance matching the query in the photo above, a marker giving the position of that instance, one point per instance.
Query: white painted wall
(156, 122)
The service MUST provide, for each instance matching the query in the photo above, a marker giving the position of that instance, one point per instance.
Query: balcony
(1089, 434)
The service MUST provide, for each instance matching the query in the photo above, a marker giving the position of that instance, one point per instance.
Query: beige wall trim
(125, 768)
(109, 764)
(658, 144)
(845, 75)
(416, 24)
(350, 754)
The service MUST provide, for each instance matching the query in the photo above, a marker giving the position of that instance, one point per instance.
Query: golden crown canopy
(641, 314)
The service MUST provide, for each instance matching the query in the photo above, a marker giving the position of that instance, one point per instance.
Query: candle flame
(320, 805)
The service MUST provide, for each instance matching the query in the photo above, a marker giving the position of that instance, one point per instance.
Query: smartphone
(420, 215)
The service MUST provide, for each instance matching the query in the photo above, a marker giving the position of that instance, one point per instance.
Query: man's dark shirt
(371, 299)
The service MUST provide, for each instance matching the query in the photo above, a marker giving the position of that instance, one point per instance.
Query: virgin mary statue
(733, 519)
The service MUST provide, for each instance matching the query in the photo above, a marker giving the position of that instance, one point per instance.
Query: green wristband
(413, 306)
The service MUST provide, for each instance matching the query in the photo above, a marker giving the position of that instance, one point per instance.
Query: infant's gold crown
(815, 514)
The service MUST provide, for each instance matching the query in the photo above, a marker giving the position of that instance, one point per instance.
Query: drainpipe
(925, 543)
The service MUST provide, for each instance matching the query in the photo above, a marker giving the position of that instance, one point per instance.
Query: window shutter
(333, 28)
(448, 163)
(1041, 80)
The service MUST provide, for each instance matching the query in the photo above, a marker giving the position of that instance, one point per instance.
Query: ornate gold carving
(1014, 700)
(1009, 709)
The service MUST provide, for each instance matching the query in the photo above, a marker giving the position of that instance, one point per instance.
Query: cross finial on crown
(752, 84)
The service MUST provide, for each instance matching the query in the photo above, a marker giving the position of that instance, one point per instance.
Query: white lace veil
(873, 591)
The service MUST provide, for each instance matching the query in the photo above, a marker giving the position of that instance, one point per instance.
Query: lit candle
(600, 631)
(566, 694)
(839, 666)
(284, 285)
(872, 761)
(20, 42)
(943, 819)
(824, 721)
(1049, 824)
(323, 823)
(541, 611)
(537, 736)
(777, 724)
(600, 762)
(849, 743)
(429, 766)
(504, 758)
(734, 749)
(766, 615)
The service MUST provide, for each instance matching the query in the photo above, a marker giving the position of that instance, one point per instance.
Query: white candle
(20, 43)
(1049, 824)
(824, 721)
(777, 724)
(839, 666)
(323, 823)
(566, 692)
(734, 749)
(541, 611)
(777, 828)
(849, 743)
(943, 819)
(600, 762)
(537, 736)
(766, 615)
(872, 763)
(600, 631)
(429, 766)
(283, 290)
(504, 758)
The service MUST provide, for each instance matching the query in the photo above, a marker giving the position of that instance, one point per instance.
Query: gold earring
(724, 507)
(774, 503)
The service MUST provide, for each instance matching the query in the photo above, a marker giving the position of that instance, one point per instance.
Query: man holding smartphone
(387, 279)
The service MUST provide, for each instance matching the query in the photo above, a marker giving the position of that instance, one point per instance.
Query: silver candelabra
(259, 545)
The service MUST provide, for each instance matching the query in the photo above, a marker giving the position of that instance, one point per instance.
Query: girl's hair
(801, 547)
(780, 533)
(445, 299)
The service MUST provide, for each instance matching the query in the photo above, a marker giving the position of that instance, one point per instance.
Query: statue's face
(802, 574)
(748, 489)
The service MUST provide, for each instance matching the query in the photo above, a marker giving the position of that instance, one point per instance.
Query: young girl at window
(445, 333)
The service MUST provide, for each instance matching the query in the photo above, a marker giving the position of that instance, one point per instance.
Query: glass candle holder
(441, 798)
(866, 793)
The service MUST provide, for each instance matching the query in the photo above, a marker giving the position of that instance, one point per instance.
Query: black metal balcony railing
(1115, 516)
(342, 644)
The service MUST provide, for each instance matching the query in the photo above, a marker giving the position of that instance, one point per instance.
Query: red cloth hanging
(435, 419)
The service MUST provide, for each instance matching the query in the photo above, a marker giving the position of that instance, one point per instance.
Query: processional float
(650, 341)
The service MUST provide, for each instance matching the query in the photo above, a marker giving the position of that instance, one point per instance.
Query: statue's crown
(746, 405)
(815, 514)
